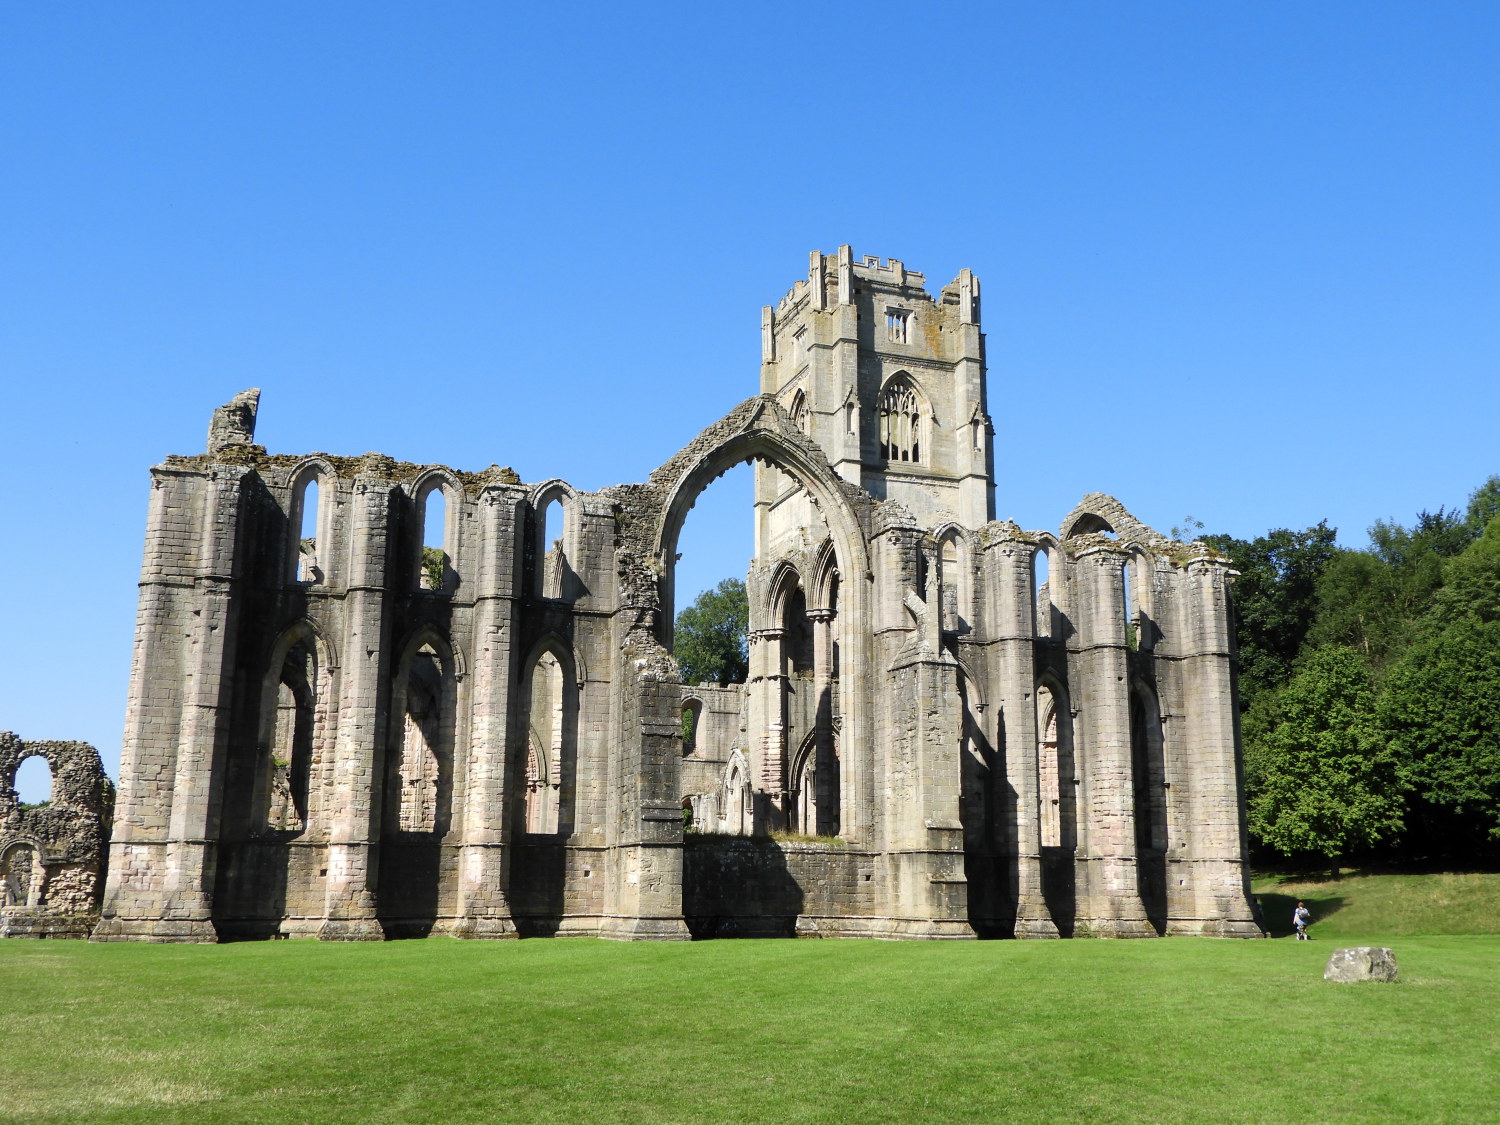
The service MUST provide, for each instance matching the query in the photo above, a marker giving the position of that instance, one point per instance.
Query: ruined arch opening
(1043, 593)
(305, 519)
(22, 876)
(692, 717)
(287, 743)
(34, 782)
(803, 522)
(421, 780)
(550, 747)
(1056, 776)
(554, 515)
(435, 562)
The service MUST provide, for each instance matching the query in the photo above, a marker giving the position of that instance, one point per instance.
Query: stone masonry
(374, 699)
(52, 854)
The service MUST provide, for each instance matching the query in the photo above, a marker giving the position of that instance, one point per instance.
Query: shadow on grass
(1276, 910)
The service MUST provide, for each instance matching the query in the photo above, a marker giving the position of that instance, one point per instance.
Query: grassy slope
(789, 1032)
(1385, 905)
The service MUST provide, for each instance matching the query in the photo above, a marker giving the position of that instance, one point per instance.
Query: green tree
(1440, 711)
(1275, 597)
(1327, 783)
(709, 638)
(1373, 600)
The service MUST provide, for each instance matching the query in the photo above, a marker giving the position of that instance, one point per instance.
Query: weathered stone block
(1361, 963)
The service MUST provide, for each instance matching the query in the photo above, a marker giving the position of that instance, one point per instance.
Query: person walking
(1301, 919)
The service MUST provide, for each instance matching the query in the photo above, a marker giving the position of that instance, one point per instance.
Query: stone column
(177, 868)
(767, 718)
(1109, 899)
(187, 913)
(354, 817)
(1215, 851)
(483, 902)
(826, 793)
(646, 820)
(924, 836)
(1012, 612)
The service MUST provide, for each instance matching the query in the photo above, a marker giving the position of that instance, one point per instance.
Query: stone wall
(52, 854)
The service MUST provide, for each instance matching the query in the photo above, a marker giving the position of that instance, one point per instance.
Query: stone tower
(889, 382)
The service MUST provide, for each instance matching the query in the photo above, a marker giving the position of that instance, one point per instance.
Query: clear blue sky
(1240, 260)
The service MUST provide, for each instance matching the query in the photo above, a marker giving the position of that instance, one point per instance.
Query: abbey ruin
(952, 727)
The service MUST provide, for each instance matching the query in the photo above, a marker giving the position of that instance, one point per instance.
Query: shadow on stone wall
(738, 886)
(538, 882)
(1060, 888)
(410, 875)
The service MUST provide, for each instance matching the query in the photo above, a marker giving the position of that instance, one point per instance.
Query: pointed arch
(296, 721)
(737, 816)
(904, 415)
(550, 691)
(823, 592)
(956, 563)
(797, 410)
(423, 733)
(555, 510)
(437, 507)
(758, 430)
(1056, 765)
(309, 521)
(1048, 588)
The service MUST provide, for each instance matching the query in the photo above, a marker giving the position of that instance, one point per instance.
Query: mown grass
(790, 1032)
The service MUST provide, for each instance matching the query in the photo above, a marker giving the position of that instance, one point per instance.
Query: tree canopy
(709, 637)
(1370, 683)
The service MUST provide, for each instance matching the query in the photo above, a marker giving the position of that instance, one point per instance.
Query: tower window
(896, 321)
(900, 422)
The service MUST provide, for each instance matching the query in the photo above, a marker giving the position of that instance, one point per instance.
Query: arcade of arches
(439, 702)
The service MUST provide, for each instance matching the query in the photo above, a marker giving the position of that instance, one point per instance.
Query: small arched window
(1041, 591)
(692, 715)
(901, 436)
(305, 514)
(436, 569)
(551, 549)
(799, 411)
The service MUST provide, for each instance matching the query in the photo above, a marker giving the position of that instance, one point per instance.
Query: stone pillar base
(482, 928)
(1114, 928)
(351, 929)
(1036, 928)
(162, 930)
(923, 929)
(645, 929)
(1216, 927)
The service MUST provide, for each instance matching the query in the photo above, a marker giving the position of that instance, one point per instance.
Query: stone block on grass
(1362, 962)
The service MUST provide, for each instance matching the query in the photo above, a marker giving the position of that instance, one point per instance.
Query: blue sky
(1240, 260)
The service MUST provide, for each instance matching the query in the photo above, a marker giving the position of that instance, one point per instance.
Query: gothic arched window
(900, 422)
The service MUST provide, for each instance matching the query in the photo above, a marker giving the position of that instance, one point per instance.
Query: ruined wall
(52, 855)
(351, 720)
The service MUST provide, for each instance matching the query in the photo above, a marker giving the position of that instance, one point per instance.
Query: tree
(1274, 599)
(1441, 712)
(709, 639)
(1327, 783)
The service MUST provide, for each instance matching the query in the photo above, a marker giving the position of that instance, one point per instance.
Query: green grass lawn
(783, 1032)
